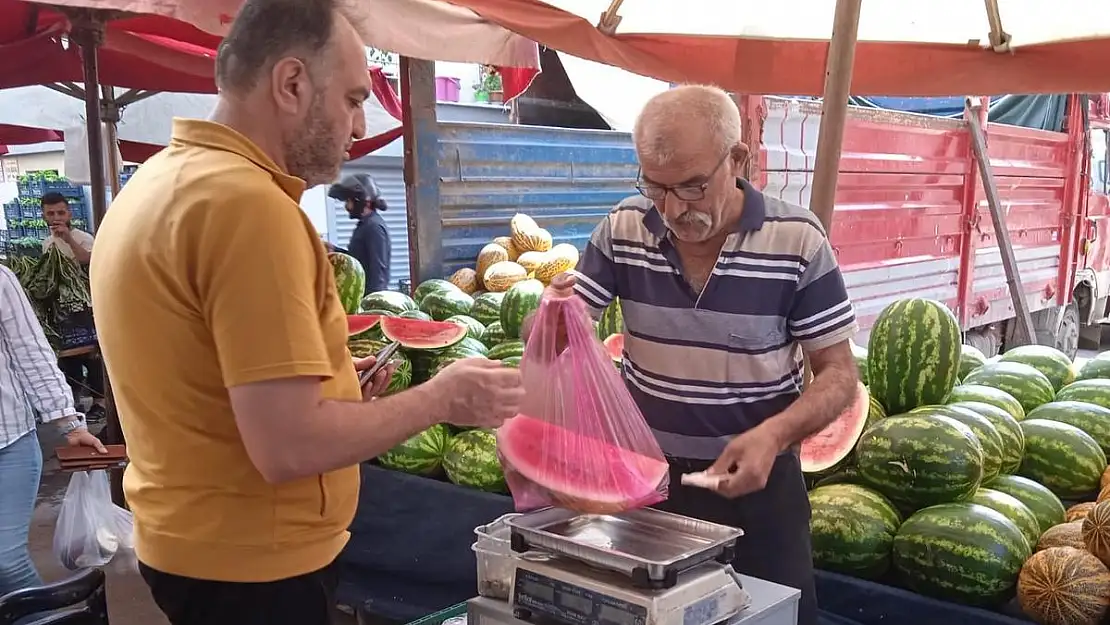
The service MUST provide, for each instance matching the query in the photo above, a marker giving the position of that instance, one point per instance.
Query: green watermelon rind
(493, 335)
(970, 358)
(611, 320)
(507, 349)
(429, 286)
(1044, 504)
(474, 328)
(1091, 418)
(487, 308)
(421, 454)
(960, 552)
(442, 305)
(988, 436)
(1062, 457)
(1092, 391)
(1013, 509)
(393, 302)
(1097, 368)
(859, 352)
(402, 374)
(987, 395)
(852, 529)
(1028, 385)
(521, 300)
(1008, 428)
(1053, 363)
(350, 280)
(471, 460)
(913, 354)
(920, 460)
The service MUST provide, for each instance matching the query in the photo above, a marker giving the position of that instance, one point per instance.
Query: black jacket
(371, 246)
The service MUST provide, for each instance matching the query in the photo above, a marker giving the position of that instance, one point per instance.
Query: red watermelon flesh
(565, 468)
(357, 324)
(615, 346)
(825, 449)
(420, 334)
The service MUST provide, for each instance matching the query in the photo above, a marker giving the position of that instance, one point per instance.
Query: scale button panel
(570, 604)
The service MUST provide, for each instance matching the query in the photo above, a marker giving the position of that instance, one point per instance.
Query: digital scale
(642, 567)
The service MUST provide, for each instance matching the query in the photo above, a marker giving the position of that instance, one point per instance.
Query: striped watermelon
(987, 395)
(1097, 368)
(471, 460)
(611, 320)
(875, 411)
(989, 438)
(487, 308)
(507, 349)
(474, 328)
(493, 334)
(960, 552)
(1012, 508)
(1062, 457)
(1091, 418)
(860, 354)
(1046, 506)
(444, 304)
(1025, 383)
(913, 355)
(392, 302)
(350, 280)
(428, 286)
(920, 460)
(420, 455)
(852, 528)
(1091, 391)
(1053, 363)
(970, 358)
(1008, 428)
(522, 299)
(402, 374)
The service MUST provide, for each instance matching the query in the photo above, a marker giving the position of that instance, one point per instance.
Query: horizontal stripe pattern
(703, 370)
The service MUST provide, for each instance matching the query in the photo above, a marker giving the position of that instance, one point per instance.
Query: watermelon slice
(357, 324)
(420, 334)
(824, 450)
(574, 471)
(615, 346)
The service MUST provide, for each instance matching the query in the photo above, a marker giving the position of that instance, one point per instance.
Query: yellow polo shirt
(207, 275)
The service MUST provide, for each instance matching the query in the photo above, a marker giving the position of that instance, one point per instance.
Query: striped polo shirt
(704, 368)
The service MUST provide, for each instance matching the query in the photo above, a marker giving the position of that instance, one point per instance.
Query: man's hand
(60, 230)
(82, 438)
(377, 385)
(482, 393)
(746, 463)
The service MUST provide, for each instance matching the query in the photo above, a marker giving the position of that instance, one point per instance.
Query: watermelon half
(574, 471)
(420, 334)
(357, 324)
(826, 449)
(615, 346)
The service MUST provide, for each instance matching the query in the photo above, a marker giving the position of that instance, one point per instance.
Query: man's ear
(739, 154)
(289, 85)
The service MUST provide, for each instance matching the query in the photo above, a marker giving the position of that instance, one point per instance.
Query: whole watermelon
(1012, 508)
(913, 355)
(920, 460)
(487, 308)
(393, 302)
(429, 286)
(1053, 363)
(1008, 428)
(960, 552)
(522, 299)
(987, 395)
(493, 334)
(1091, 418)
(970, 358)
(471, 460)
(852, 528)
(350, 280)
(1029, 386)
(1097, 368)
(1092, 391)
(402, 374)
(989, 438)
(1062, 457)
(474, 328)
(1046, 506)
(444, 304)
(420, 455)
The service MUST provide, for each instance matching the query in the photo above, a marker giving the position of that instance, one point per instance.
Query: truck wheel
(1065, 336)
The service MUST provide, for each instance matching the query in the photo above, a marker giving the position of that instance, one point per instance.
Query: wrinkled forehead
(677, 157)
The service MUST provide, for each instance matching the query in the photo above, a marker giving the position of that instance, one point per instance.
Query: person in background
(28, 377)
(85, 372)
(723, 289)
(370, 241)
(226, 341)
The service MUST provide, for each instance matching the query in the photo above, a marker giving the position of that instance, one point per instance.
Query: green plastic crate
(438, 617)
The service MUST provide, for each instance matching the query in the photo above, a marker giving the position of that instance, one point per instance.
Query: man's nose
(672, 205)
(358, 128)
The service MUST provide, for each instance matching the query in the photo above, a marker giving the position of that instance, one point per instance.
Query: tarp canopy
(940, 47)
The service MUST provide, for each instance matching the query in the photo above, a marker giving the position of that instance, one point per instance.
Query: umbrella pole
(110, 116)
(89, 35)
(834, 114)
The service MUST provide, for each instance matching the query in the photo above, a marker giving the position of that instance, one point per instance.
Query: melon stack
(527, 252)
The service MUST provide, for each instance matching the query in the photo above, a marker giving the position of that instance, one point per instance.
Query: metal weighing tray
(650, 546)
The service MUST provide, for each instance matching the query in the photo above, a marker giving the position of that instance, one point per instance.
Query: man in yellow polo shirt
(226, 341)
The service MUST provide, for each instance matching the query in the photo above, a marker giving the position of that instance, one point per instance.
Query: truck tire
(1058, 330)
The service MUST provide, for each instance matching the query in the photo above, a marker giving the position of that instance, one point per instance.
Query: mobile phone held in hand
(382, 359)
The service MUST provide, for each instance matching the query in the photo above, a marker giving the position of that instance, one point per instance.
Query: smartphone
(383, 357)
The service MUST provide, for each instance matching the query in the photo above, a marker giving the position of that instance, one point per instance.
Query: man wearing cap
(370, 240)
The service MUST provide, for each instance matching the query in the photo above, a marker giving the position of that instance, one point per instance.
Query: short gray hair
(706, 107)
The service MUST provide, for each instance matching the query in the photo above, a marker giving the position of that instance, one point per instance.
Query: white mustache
(692, 218)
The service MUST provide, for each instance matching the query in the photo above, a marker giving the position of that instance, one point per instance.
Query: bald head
(684, 123)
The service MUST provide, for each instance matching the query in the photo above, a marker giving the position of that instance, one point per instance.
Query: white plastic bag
(91, 529)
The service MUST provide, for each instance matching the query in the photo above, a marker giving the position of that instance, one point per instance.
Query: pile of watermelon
(950, 470)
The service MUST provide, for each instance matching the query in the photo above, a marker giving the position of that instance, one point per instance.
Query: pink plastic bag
(580, 441)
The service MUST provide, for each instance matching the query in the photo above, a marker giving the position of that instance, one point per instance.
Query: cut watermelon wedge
(420, 334)
(574, 471)
(829, 447)
(615, 346)
(357, 324)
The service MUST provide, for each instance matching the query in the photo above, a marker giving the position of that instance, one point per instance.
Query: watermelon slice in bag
(577, 472)
(420, 334)
(614, 344)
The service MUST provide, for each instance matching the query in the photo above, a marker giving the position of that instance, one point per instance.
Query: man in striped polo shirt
(723, 290)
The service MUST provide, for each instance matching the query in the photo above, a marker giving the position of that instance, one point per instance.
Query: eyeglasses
(686, 193)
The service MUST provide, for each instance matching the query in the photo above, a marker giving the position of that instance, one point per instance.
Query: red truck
(912, 219)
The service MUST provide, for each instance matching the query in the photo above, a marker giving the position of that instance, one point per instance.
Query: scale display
(570, 604)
